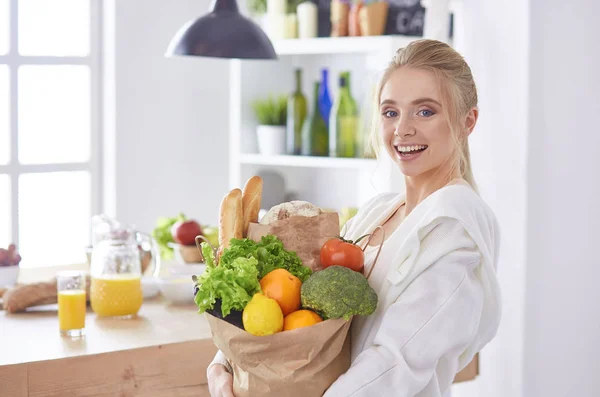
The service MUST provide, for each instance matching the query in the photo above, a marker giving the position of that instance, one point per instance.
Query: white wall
(562, 340)
(495, 46)
(171, 118)
(536, 152)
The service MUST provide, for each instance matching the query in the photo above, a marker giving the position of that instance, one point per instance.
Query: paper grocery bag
(300, 363)
(303, 235)
(470, 372)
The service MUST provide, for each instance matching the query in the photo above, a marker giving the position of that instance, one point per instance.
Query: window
(49, 127)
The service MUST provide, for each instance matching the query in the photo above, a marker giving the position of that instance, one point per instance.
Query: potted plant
(258, 11)
(271, 114)
(9, 266)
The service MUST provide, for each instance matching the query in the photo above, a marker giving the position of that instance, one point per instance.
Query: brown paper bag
(470, 372)
(303, 235)
(300, 363)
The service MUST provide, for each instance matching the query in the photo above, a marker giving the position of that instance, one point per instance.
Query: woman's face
(413, 122)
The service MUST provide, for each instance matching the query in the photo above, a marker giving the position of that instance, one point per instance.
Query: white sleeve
(418, 343)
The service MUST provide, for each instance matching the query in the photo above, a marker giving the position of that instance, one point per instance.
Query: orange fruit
(299, 319)
(283, 287)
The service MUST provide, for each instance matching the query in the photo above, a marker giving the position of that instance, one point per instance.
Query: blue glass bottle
(325, 102)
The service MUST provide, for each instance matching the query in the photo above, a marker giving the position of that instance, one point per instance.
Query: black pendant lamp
(222, 33)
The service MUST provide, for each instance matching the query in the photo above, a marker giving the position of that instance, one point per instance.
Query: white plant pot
(8, 276)
(271, 139)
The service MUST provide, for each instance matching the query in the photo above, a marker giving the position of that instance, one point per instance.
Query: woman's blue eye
(425, 113)
(390, 113)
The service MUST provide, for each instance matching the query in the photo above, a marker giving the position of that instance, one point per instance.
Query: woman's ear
(471, 120)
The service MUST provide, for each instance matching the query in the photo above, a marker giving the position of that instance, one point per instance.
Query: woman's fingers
(227, 385)
(220, 382)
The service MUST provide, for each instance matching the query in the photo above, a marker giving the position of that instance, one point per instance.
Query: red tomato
(342, 253)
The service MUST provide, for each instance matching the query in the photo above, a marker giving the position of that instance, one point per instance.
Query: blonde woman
(439, 300)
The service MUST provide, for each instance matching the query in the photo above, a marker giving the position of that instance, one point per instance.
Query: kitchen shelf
(340, 45)
(308, 161)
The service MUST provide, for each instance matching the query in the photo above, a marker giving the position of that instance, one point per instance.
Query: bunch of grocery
(264, 289)
(292, 19)
(263, 299)
(9, 256)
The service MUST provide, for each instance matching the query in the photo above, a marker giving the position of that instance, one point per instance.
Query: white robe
(439, 299)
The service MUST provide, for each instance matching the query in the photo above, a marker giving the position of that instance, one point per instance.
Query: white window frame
(93, 60)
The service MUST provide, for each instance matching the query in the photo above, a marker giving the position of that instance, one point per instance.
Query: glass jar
(116, 271)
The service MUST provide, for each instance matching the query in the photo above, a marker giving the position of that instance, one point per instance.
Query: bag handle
(199, 240)
(378, 249)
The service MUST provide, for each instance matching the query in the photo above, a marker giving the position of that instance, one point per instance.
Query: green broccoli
(338, 292)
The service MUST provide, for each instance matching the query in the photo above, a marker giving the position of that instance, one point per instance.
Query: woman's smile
(408, 152)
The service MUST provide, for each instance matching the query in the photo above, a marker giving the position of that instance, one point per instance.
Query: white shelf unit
(310, 162)
(340, 45)
(327, 182)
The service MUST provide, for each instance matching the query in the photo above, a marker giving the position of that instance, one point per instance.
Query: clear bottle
(343, 122)
(296, 114)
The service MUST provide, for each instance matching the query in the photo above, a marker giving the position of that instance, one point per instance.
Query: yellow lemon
(262, 316)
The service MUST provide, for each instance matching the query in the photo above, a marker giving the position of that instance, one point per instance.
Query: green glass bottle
(315, 137)
(296, 114)
(343, 122)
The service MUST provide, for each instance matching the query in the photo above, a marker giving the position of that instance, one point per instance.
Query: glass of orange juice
(71, 303)
(116, 288)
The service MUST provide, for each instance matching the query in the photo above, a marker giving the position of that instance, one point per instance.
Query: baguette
(231, 219)
(21, 297)
(251, 198)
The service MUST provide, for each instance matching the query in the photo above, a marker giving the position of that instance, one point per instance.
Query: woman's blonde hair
(459, 94)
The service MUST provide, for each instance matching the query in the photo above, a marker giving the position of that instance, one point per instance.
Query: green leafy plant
(271, 111)
(162, 234)
(292, 4)
(257, 7)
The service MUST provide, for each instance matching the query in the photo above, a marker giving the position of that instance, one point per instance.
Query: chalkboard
(405, 17)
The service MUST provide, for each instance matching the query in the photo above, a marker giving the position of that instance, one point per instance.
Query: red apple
(3, 257)
(185, 232)
(10, 256)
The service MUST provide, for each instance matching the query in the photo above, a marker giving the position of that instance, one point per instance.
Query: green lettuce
(162, 234)
(234, 283)
(269, 253)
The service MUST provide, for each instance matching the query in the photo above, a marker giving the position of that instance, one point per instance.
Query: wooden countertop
(37, 330)
(162, 352)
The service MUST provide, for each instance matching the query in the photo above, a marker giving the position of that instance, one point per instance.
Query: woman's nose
(404, 127)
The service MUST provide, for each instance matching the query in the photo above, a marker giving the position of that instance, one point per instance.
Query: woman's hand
(220, 381)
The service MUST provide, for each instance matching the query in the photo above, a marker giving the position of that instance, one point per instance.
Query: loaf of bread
(20, 297)
(289, 209)
(251, 198)
(231, 219)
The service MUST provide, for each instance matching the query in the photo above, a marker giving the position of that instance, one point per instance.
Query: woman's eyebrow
(423, 100)
(388, 102)
(415, 102)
